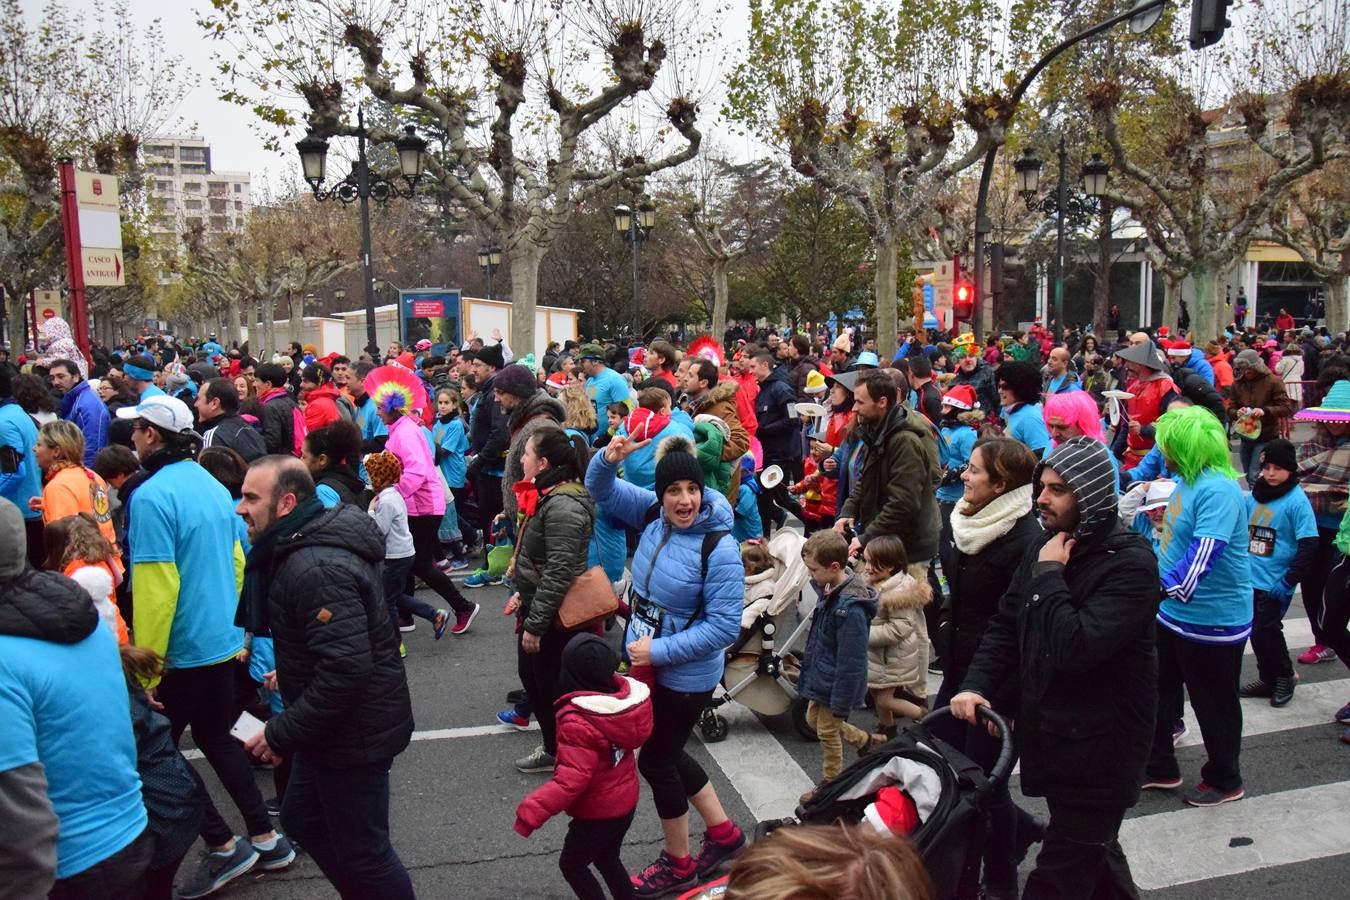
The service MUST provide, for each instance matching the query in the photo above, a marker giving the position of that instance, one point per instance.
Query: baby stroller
(949, 793)
(761, 672)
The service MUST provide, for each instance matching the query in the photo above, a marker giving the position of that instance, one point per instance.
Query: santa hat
(961, 396)
(1179, 348)
(893, 813)
(556, 382)
(1163, 331)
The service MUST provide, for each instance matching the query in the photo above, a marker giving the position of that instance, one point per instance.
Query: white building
(186, 191)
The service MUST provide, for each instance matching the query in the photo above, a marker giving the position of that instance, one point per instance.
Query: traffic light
(963, 301)
(1208, 20)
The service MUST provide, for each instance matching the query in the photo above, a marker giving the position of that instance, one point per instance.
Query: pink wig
(1076, 408)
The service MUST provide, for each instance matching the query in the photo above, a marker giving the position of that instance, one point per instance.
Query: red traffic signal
(963, 301)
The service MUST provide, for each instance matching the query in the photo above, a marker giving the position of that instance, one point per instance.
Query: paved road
(455, 790)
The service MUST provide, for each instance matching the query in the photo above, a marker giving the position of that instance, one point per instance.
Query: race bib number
(1262, 541)
(646, 621)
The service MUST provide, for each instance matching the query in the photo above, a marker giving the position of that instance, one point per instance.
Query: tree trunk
(1205, 304)
(1172, 305)
(1338, 315)
(269, 315)
(720, 298)
(231, 322)
(295, 315)
(883, 290)
(1101, 285)
(525, 258)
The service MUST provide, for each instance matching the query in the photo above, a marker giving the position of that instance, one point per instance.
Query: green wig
(1192, 441)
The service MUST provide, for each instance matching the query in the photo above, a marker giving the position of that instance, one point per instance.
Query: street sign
(102, 268)
(100, 232)
(49, 313)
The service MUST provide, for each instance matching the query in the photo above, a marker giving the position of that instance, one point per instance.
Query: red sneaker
(464, 619)
(663, 877)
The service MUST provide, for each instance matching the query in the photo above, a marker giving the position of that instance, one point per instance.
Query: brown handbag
(588, 601)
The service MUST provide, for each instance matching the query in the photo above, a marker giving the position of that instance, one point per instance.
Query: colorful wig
(1076, 408)
(1192, 441)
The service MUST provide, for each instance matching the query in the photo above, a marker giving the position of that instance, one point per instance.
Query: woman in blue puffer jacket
(681, 624)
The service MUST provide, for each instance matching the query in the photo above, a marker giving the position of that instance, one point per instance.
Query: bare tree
(1314, 222)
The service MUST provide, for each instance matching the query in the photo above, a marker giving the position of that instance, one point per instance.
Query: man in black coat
(489, 439)
(1075, 632)
(781, 437)
(220, 423)
(313, 580)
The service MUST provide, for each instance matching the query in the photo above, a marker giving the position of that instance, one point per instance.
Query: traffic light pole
(982, 224)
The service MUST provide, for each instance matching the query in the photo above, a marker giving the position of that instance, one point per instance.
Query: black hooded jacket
(346, 693)
(48, 607)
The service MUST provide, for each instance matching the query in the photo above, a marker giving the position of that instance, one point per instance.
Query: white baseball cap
(1159, 495)
(162, 411)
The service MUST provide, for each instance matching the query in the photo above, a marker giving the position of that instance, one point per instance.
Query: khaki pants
(832, 732)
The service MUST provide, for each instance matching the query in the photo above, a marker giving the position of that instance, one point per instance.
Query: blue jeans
(1249, 454)
(341, 817)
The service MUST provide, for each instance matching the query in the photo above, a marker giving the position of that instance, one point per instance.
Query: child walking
(834, 673)
(897, 644)
(602, 719)
(1282, 544)
(78, 549)
(391, 515)
(450, 443)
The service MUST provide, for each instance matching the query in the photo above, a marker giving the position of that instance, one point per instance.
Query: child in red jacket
(602, 719)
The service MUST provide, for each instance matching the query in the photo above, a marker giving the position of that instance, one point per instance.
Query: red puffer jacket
(596, 774)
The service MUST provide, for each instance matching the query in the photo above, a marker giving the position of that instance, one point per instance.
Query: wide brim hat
(1144, 354)
(1335, 406)
(846, 380)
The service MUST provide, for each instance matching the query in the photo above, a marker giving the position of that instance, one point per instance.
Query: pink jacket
(420, 487)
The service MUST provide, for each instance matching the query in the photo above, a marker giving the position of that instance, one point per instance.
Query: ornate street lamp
(489, 258)
(635, 224)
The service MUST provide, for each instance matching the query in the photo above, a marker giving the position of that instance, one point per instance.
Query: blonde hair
(580, 411)
(829, 862)
(66, 438)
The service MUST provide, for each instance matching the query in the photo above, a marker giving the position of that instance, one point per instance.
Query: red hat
(1178, 348)
(1163, 330)
(556, 382)
(961, 396)
(406, 360)
(637, 357)
(642, 424)
(893, 813)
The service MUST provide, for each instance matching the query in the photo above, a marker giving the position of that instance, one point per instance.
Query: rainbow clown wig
(1192, 441)
(1077, 409)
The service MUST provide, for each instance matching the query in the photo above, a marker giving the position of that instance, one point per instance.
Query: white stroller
(761, 671)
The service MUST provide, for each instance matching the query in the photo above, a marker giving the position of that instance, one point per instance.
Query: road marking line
(1276, 824)
(766, 776)
(438, 734)
(1313, 704)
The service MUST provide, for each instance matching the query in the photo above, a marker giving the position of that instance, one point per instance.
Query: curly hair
(73, 538)
(580, 410)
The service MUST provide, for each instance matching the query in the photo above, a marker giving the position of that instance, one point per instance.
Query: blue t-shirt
(1274, 530)
(18, 432)
(66, 706)
(954, 445)
(182, 515)
(1027, 424)
(603, 389)
(1054, 385)
(451, 438)
(151, 391)
(1212, 507)
(327, 496)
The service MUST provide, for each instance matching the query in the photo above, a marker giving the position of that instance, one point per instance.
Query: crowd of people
(182, 517)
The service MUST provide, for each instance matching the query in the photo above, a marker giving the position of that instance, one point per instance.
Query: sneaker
(512, 719)
(661, 878)
(514, 697)
(280, 856)
(402, 650)
(713, 853)
(1257, 688)
(537, 763)
(481, 578)
(274, 806)
(457, 564)
(464, 619)
(1315, 654)
(438, 624)
(1204, 795)
(935, 667)
(1343, 715)
(218, 869)
(443, 564)
(1160, 784)
(1179, 731)
(1282, 691)
(406, 624)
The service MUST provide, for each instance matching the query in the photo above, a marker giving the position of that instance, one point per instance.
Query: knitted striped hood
(1085, 465)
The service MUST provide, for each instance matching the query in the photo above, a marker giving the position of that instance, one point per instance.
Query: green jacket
(716, 472)
(895, 491)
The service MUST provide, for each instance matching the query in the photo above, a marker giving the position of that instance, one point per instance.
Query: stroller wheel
(713, 727)
(798, 713)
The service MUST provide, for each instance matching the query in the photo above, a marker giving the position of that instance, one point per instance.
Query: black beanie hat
(1280, 452)
(492, 355)
(516, 380)
(588, 664)
(676, 460)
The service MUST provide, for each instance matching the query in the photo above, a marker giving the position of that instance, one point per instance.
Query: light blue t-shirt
(1027, 424)
(151, 391)
(66, 706)
(1274, 530)
(954, 446)
(327, 496)
(1054, 385)
(184, 516)
(1212, 507)
(18, 432)
(451, 438)
(603, 389)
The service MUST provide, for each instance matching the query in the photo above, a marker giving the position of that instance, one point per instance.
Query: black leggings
(427, 547)
(1315, 580)
(539, 676)
(596, 842)
(672, 774)
(1336, 609)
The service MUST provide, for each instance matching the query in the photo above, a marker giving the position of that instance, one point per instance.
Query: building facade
(187, 192)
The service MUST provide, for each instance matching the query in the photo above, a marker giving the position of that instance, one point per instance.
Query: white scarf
(992, 521)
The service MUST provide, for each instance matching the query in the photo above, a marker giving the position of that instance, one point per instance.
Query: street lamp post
(1063, 205)
(635, 224)
(363, 185)
(489, 258)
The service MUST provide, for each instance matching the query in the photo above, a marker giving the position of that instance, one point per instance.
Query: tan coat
(897, 645)
(721, 402)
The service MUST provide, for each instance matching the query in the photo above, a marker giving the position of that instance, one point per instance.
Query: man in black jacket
(1075, 632)
(489, 438)
(220, 423)
(312, 579)
(780, 435)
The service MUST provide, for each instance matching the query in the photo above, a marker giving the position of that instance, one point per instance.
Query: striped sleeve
(1180, 583)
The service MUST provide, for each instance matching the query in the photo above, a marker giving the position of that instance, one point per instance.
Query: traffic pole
(70, 227)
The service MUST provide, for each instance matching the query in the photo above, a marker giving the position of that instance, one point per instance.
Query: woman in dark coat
(992, 528)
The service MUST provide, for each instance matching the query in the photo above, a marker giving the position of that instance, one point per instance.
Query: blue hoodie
(82, 408)
(688, 654)
(1200, 366)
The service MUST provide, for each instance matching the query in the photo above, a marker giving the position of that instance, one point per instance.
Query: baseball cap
(591, 351)
(167, 413)
(423, 344)
(1159, 495)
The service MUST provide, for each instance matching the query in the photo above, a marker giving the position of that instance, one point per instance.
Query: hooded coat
(82, 408)
(60, 344)
(1266, 392)
(554, 543)
(982, 380)
(1077, 641)
(596, 772)
(897, 644)
(834, 671)
(321, 407)
(1198, 364)
(338, 667)
(534, 413)
(724, 401)
(779, 434)
(896, 488)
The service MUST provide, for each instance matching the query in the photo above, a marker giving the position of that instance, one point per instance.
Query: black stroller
(951, 792)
